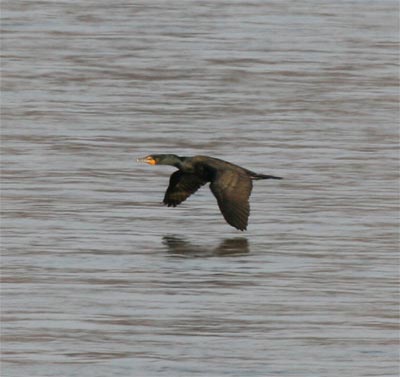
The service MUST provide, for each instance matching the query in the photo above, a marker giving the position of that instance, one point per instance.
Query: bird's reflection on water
(227, 247)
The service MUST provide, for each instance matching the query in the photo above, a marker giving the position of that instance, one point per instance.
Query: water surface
(99, 279)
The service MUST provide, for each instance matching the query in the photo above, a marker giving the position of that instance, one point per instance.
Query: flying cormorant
(230, 183)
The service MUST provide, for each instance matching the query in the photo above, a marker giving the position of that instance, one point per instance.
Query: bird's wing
(181, 186)
(232, 190)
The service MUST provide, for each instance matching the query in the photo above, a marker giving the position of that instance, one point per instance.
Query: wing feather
(181, 186)
(232, 190)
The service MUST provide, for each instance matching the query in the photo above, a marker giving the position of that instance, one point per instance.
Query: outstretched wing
(232, 190)
(181, 186)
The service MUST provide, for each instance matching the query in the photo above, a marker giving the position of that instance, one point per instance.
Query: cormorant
(230, 183)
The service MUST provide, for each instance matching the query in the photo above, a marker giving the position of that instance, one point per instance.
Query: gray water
(100, 279)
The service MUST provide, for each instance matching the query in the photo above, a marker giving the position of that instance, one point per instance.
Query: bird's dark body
(231, 184)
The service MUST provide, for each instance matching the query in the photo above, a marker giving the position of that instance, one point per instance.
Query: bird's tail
(264, 176)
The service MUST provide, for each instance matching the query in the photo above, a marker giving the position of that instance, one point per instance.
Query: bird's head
(160, 159)
(148, 160)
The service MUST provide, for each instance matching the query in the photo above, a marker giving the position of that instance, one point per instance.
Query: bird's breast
(206, 173)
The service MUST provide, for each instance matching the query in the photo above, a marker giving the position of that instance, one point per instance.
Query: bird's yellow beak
(148, 160)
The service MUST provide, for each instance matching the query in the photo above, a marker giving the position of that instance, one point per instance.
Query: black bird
(230, 184)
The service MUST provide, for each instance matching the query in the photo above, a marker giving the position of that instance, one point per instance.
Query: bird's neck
(178, 162)
(172, 160)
